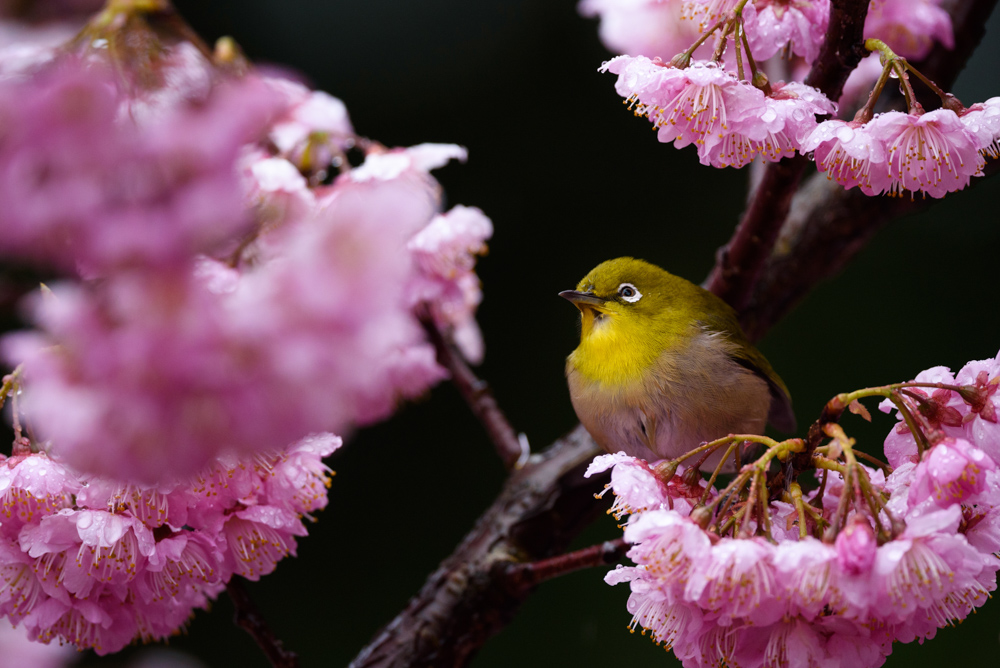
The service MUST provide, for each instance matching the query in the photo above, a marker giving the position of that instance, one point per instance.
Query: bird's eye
(629, 292)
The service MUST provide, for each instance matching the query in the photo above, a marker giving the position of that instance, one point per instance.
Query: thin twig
(476, 393)
(248, 616)
(533, 573)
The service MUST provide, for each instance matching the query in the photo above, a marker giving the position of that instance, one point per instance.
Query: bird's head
(624, 293)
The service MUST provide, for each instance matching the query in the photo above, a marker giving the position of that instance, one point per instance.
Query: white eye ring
(629, 292)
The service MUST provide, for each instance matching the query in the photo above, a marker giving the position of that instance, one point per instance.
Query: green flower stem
(739, 57)
(11, 383)
(701, 40)
(715, 473)
(720, 44)
(719, 442)
(796, 492)
(948, 100)
(912, 105)
(749, 507)
(764, 511)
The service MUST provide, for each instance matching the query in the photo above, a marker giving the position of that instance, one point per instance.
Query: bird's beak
(583, 299)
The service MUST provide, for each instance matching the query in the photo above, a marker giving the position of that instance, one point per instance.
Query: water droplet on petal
(845, 133)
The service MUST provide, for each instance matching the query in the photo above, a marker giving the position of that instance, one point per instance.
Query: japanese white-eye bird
(664, 366)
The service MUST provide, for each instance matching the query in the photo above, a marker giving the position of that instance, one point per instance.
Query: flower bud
(692, 477)
(666, 471)
(856, 547)
(681, 60)
(702, 516)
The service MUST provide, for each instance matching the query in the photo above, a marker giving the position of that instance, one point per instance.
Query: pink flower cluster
(771, 25)
(664, 28)
(237, 301)
(934, 153)
(729, 121)
(838, 602)
(99, 563)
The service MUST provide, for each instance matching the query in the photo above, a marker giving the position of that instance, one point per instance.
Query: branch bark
(740, 262)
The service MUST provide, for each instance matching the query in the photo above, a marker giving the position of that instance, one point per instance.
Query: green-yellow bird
(663, 365)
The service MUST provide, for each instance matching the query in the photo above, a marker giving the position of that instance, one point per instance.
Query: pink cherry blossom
(931, 153)
(248, 356)
(848, 153)
(909, 27)
(742, 599)
(728, 120)
(707, 12)
(856, 548)
(776, 23)
(982, 120)
(445, 254)
(950, 473)
(313, 127)
(120, 562)
(18, 650)
(788, 118)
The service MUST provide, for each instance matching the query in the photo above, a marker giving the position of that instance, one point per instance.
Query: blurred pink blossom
(90, 193)
(909, 27)
(651, 28)
(174, 358)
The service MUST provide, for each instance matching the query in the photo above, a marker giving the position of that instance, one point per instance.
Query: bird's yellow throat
(614, 350)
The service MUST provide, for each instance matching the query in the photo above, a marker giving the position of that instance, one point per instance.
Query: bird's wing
(780, 414)
(742, 352)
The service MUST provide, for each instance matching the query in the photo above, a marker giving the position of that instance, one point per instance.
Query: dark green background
(570, 179)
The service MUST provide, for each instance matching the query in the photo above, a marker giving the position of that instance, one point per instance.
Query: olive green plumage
(663, 364)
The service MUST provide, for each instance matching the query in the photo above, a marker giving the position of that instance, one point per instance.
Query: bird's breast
(670, 405)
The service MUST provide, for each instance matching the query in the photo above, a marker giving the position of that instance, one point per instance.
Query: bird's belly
(655, 418)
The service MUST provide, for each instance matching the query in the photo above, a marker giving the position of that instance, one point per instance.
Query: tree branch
(827, 224)
(531, 574)
(249, 618)
(739, 263)
(477, 395)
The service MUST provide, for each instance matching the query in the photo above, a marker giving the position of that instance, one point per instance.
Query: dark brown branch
(529, 575)
(248, 616)
(740, 262)
(478, 396)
